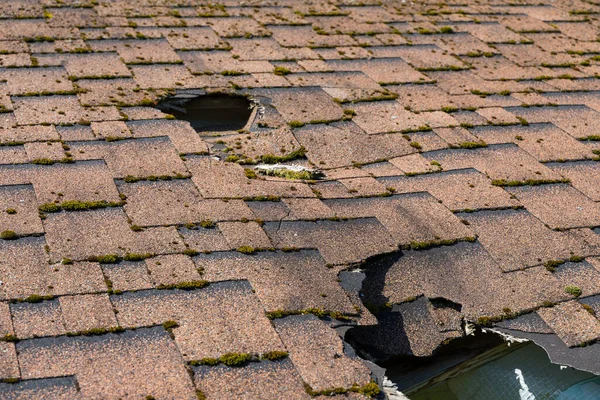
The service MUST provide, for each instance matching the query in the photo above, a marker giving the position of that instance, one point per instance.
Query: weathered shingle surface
(460, 138)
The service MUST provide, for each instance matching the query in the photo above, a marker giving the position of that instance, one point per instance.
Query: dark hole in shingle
(212, 112)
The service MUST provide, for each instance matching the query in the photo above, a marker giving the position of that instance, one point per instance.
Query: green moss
(206, 361)
(349, 112)
(200, 395)
(263, 198)
(573, 290)
(49, 208)
(136, 256)
(191, 252)
(416, 145)
(42, 161)
(235, 359)
(528, 182)
(575, 259)
(106, 259)
(294, 155)
(274, 355)
(8, 235)
(207, 224)
(551, 265)
(446, 29)
(275, 314)
(472, 145)
(9, 338)
(189, 285)
(588, 308)
(435, 243)
(281, 71)
(296, 124)
(37, 39)
(371, 389)
(289, 174)
(250, 174)
(35, 298)
(170, 324)
(592, 138)
(231, 73)
(76, 205)
(246, 249)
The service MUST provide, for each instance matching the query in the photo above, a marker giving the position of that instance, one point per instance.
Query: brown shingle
(571, 322)
(266, 380)
(283, 281)
(318, 354)
(222, 318)
(153, 364)
(85, 312)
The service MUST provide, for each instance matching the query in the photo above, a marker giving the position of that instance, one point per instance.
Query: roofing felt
(140, 258)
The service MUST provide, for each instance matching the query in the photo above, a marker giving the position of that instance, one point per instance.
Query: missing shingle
(210, 112)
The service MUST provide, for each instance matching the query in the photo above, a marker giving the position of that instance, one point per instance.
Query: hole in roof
(211, 112)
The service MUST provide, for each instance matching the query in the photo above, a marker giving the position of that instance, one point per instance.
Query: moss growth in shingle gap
(528, 182)
(8, 235)
(294, 155)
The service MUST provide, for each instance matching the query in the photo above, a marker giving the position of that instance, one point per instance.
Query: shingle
(127, 276)
(157, 76)
(571, 322)
(458, 189)
(421, 56)
(318, 354)
(146, 51)
(79, 235)
(584, 275)
(63, 388)
(304, 104)
(383, 117)
(48, 109)
(266, 380)
(28, 134)
(9, 366)
(22, 81)
(24, 268)
(222, 318)
(512, 238)
(37, 319)
(220, 179)
(499, 162)
(288, 281)
(172, 269)
(18, 210)
(153, 364)
(131, 157)
(240, 234)
(338, 242)
(408, 331)
(76, 277)
(583, 176)
(558, 205)
(177, 202)
(184, 137)
(85, 312)
(414, 217)
(390, 70)
(344, 144)
(96, 65)
(545, 142)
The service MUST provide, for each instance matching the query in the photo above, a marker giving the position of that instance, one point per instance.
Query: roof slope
(142, 253)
